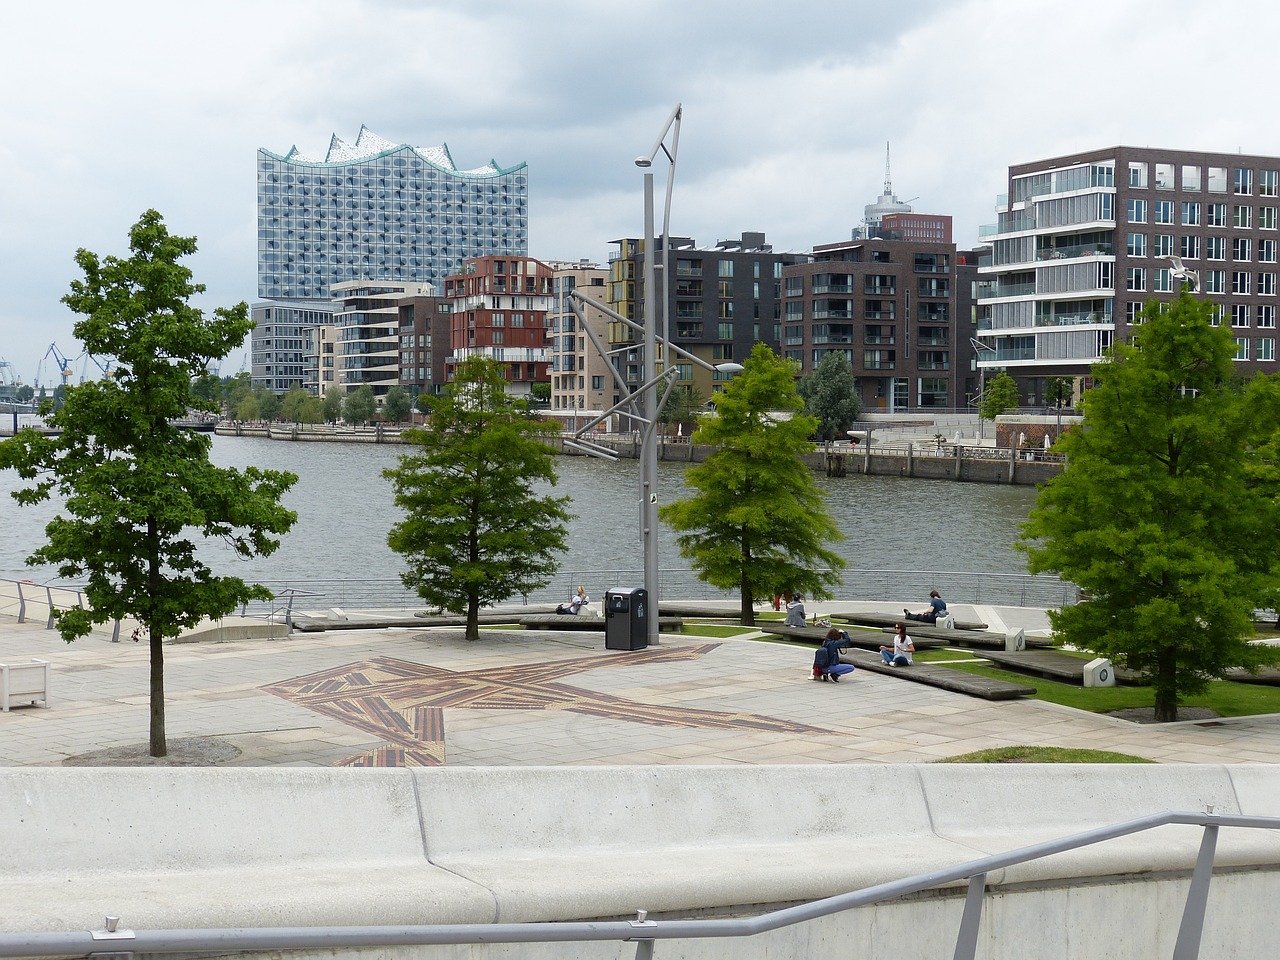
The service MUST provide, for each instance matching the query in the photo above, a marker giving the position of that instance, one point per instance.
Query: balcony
(845, 289)
(875, 341)
(1077, 250)
(829, 338)
(1000, 290)
(833, 315)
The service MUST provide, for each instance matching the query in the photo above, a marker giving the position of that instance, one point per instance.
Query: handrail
(645, 932)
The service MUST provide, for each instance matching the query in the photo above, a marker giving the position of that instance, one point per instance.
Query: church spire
(888, 184)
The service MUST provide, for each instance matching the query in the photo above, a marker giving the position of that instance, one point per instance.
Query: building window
(1243, 182)
(1268, 182)
(1217, 179)
(1239, 314)
(1190, 247)
(795, 286)
(1191, 178)
(1242, 348)
(688, 268)
(1133, 312)
(1190, 213)
(726, 268)
(1266, 315)
(1266, 218)
(1216, 248)
(1215, 281)
(1217, 216)
(1137, 211)
(1243, 216)
(1162, 280)
(724, 331)
(1164, 211)
(1241, 249)
(1137, 245)
(879, 359)
(1266, 284)
(684, 371)
(1137, 279)
(1266, 251)
(1163, 246)
(726, 289)
(1164, 176)
(1265, 349)
(726, 310)
(1217, 313)
(1137, 174)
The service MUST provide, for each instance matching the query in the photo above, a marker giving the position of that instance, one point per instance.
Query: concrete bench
(568, 621)
(183, 848)
(857, 638)
(871, 619)
(24, 683)
(957, 681)
(1051, 664)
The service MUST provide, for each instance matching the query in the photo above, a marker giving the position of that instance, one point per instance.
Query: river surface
(892, 525)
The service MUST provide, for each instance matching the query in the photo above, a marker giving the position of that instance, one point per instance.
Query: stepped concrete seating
(863, 639)
(869, 619)
(568, 621)
(183, 848)
(1053, 664)
(957, 681)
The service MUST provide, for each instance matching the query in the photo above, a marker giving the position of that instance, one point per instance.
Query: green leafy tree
(1159, 516)
(1001, 394)
(359, 405)
(423, 403)
(685, 405)
(208, 387)
(138, 489)
(540, 394)
(332, 405)
(268, 403)
(246, 407)
(474, 531)
(396, 405)
(757, 522)
(292, 404)
(25, 393)
(829, 395)
(311, 411)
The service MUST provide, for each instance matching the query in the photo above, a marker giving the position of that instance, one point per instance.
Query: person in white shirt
(899, 655)
(574, 607)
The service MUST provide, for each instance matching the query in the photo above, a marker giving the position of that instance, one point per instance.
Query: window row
(1212, 281)
(1188, 248)
(1239, 181)
(1240, 216)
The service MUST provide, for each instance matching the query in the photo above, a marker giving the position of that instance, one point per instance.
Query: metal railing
(645, 933)
(21, 593)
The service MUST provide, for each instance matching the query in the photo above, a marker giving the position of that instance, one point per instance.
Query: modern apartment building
(278, 350)
(721, 302)
(1082, 242)
(424, 343)
(581, 385)
(890, 305)
(498, 309)
(366, 315)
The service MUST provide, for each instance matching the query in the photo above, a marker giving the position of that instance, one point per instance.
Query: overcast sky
(109, 109)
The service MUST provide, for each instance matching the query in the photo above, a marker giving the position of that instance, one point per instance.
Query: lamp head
(644, 162)
(729, 367)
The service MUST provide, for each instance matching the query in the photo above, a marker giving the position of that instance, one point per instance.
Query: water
(903, 530)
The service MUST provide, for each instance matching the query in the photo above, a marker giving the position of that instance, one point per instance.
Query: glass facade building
(374, 209)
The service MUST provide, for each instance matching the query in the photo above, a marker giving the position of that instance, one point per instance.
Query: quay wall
(243, 848)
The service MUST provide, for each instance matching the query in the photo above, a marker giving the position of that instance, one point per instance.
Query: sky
(110, 109)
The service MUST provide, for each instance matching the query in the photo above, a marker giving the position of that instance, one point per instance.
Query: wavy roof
(369, 145)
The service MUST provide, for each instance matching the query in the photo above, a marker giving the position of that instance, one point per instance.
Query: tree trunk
(747, 609)
(473, 618)
(158, 746)
(1167, 687)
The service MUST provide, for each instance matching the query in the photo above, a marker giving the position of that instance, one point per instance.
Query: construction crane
(9, 381)
(107, 369)
(65, 370)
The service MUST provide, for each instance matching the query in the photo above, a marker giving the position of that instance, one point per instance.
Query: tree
(246, 407)
(359, 405)
(268, 403)
(424, 403)
(540, 394)
(137, 488)
(685, 405)
(757, 522)
(1159, 516)
(830, 396)
(396, 405)
(25, 393)
(474, 531)
(1001, 394)
(291, 406)
(208, 387)
(311, 410)
(332, 405)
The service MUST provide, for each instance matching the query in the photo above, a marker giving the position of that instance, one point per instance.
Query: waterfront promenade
(426, 696)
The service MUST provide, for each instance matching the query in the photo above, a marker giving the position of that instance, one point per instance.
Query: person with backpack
(826, 661)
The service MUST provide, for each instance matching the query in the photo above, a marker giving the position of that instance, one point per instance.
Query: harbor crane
(64, 365)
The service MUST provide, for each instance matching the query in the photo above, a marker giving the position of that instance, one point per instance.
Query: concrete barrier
(190, 848)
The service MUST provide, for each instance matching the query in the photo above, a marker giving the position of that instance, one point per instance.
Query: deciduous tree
(332, 405)
(1000, 394)
(140, 492)
(359, 405)
(475, 531)
(396, 405)
(757, 522)
(829, 395)
(1158, 516)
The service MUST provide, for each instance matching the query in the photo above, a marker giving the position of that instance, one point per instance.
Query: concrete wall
(198, 848)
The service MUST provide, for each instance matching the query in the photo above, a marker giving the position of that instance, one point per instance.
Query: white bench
(24, 683)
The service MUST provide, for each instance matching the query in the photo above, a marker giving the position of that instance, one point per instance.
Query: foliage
(540, 394)
(268, 403)
(331, 407)
(246, 407)
(829, 395)
(757, 522)
(685, 405)
(999, 395)
(1058, 391)
(396, 405)
(424, 403)
(137, 488)
(1158, 517)
(293, 402)
(474, 531)
(25, 393)
(208, 387)
(358, 406)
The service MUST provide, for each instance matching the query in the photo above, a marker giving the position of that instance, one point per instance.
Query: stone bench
(281, 847)
(1051, 664)
(863, 639)
(569, 621)
(24, 683)
(957, 681)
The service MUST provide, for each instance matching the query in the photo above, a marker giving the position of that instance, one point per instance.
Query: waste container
(626, 619)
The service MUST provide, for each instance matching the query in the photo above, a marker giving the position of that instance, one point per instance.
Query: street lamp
(978, 347)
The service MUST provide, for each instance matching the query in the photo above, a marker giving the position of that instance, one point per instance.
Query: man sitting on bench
(937, 608)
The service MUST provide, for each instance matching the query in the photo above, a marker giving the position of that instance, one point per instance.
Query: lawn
(1028, 754)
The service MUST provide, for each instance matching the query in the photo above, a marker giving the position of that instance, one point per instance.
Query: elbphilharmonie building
(376, 210)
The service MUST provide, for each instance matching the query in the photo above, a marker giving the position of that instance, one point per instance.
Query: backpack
(828, 655)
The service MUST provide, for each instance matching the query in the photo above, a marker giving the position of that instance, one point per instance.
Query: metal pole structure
(649, 410)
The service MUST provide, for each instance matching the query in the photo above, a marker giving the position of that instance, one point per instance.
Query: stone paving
(409, 695)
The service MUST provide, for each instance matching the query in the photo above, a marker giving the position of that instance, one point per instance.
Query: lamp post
(978, 347)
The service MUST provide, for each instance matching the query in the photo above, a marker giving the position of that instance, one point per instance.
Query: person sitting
(937, 608)
(899, 655)
(826, 661)
(574, 606)
(795, 612)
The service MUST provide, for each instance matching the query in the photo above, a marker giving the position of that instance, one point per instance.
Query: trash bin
(626, 619)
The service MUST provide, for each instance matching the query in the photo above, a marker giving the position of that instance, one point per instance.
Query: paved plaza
(419, 696)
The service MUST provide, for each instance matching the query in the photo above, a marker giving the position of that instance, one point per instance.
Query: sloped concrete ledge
(191, 848)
